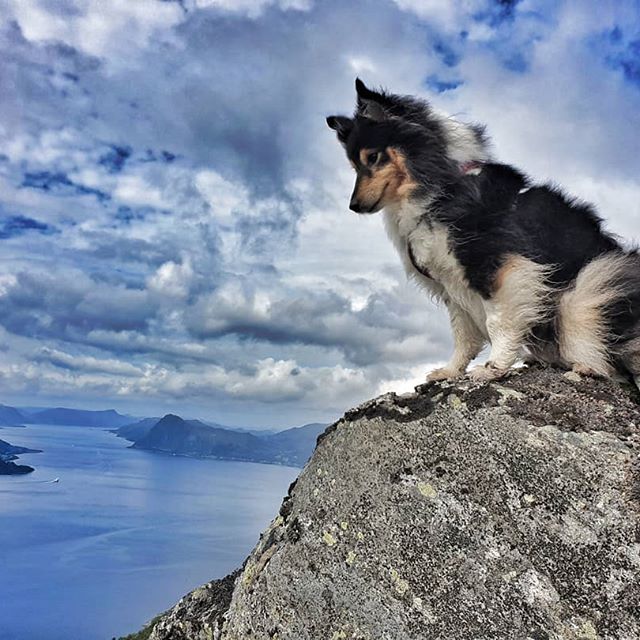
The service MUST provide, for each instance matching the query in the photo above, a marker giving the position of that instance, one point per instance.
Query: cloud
(269, 381)
(65, 304)
(88, 27)
(373, 332)
(174, 218)
(252, 8)
(86, 363)
(59, 183)
(172, 280)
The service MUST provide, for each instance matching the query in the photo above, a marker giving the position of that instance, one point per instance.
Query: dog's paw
(484, 373)
(585, 370)
(444, 373)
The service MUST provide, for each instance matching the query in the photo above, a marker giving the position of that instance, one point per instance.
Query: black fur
(488, 219)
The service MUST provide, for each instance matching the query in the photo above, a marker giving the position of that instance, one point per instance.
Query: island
(13, 469)
(10, 452)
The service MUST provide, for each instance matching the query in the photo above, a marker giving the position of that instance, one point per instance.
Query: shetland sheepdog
(520, 266)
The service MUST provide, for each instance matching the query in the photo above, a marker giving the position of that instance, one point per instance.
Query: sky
(174, 223)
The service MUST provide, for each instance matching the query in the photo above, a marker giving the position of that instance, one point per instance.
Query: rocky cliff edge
(463, 510)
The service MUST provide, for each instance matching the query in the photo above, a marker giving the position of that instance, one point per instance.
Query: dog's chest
(426, 253)
(429, 252)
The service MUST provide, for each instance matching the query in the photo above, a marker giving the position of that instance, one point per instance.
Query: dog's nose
(354, 205)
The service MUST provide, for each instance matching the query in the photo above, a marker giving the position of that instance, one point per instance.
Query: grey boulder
(462, 511)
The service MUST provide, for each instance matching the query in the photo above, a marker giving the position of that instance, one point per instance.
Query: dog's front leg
(468, 342)
(521, 300)
(505, 336)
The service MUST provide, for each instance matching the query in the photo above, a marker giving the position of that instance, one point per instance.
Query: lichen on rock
(497, 510)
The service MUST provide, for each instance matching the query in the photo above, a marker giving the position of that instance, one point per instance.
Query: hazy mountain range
(14, 416)
(10, 416)
(174, 435)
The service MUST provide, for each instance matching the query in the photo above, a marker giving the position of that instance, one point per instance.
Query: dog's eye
(372, 158)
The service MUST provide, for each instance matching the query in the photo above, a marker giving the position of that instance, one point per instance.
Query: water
(123, 535)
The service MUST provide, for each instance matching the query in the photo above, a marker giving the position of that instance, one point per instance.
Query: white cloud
(253, 8)
(172, 279)
(453, 15)
(224, 197)
(87, 363)
(135, 190)
(7, 281)
(95, 27)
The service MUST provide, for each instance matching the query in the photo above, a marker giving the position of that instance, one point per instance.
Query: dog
(519, 265)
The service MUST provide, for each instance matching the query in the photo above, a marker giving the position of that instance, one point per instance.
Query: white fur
(463, 144)
(468, 342)
(521, 301)
(400, 222)
(430, 246)
(582, 330)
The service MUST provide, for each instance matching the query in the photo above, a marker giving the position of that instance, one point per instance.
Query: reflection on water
(122, 535)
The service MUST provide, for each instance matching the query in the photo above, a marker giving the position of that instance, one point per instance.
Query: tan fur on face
(364, 155)
(391, 181)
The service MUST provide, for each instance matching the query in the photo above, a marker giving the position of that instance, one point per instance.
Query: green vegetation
(144, 633)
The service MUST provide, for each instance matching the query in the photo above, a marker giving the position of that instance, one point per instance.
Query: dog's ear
(342, 126)
(364, 93)
(371, 104)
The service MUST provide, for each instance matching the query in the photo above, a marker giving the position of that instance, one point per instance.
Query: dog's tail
(599, 316)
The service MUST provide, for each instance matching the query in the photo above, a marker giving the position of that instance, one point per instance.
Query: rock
(198, 616)
(505, 510)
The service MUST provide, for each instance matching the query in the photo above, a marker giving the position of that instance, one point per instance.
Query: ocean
(123, 534)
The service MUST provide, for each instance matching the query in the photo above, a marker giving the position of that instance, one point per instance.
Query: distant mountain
(172, 434)
(78, 418)
(136, 430)
(10, 416)
(294, 446)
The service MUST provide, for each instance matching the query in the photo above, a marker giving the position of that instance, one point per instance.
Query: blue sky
(174, 231)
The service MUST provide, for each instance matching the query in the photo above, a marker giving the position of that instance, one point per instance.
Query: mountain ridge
(78, 417)
(10, 416)
(174, 435)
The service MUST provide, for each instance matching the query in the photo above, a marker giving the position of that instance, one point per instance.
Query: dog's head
(401, 149)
